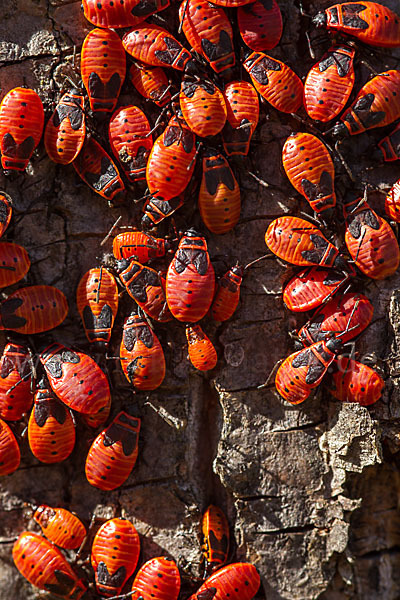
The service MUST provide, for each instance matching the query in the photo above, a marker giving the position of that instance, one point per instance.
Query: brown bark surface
(311, 491)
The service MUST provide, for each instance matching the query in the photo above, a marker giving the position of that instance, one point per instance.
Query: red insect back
(242, 108)
(202, 353)
(215, 539)
(76, 379)
(65, 131)
(157, 579)
(110, 14)
(240, 580)
(203, 107)
(335, 316)
(219, 194)
(156, 210)
(190, 279)
(141, 354)
(356, 382)
(14, 263)
(260, 24)
(103, 68)
(299, 242)
(142, 246)
(99, 172)
(209, 32)
(311, 287)
(51, 430)
(113, 453)
(15, 382)
(5, 212)
(60, 526)
(390, 145)
(151, 82)
(33, 309)
(377, 104)
(170, 165)
(329, 84)
(114, 556)
(232, 3)
(97, 301)
(146, 287)
(10, 455)
(227, 295)
(156, 47)
(304, 370)
(130, 140)
(369, 22)
(45, 567)
(392, 202)
(310, 170)
(21, 127)
(275, 81)
(98, 418)
(370, 240)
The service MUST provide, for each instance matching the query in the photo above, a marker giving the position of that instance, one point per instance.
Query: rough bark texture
(311, 492)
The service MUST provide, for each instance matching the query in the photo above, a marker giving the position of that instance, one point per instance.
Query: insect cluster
(204, 105)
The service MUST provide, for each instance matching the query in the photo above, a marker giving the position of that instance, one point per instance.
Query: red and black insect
(203, 106)
(242, 108)
(219, 194)
(141, 354)
(14, 263)
(334, 317)
(232, 3)
(377, 104)
(392, 202)
(65, 131)
(114, 556)
(240, 580)
(5, 212)
(103, 66)
(16, 397)
(369, 22)
(227, 295)
(97, 301)
(60, 526)
(310, 170)
(156, 210)
(33, 309)
(45, 567)
(76, 379)
(51, 429)
(190, 279)
(370, 240)
(299, 242)
(98, 418)
(275, 81)
(313, 286)
(98, 170)
(10, 455)
(142, 246)
(329, 84)
(158, 578)
(201, 351)
(156, 47)
(260, 24)
(390, 145)
(146, 286)
(110, 14)
(303, 371)
(209, 32)
(131, 141)
(21, 127)
(215, 539)
(356, 382)
(151, 82)
(113, 453)
(171, 161)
